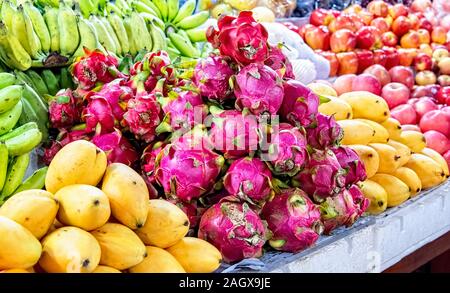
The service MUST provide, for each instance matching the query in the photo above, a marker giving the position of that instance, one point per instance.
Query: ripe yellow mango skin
(403, 151)
(15, 271)
(367, 106)
(121, 247)
(369, 157)
(438, 158)
(322, 89)
(34, 209)
(381, 134)
(128, 195)
(429, 172)
(19, 249)
(79, 162)
(69, 250)
(393, 127)
(377, 196)
(158, 261)
(356, 132)
(336, 107)
(83, 206)
(410, 178)
(389, 160)
(196, 255)
(106, 270)
(166, 224)
(397, 191)
(414, 140)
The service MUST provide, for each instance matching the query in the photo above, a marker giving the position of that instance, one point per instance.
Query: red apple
(437, 141)
(320, 17)
(426, 48)
(414, 21)
(405, 114)
(379, 57)
(438, 35)
(425, 24)
(443, 95)
(420, 5)
(318, 38)
(439, 54)
(343, 84)
(401, 26)
(395, 94)
(343, 21)
(304, 28)
(424, 36)
(368, 37)
(365, 59)
(366, 82)
(389, 39)
(381, 24)
(406, 56)
(444, 80)
(392, 58)
(357, 21)
(428, 90)
(398, 10)
(425, 77)
(445, 109)
(436, 120)
(378, 8)
(402, 74)
(342, 41)
(447, 157)
(332, 59)
(380, 72)
(423, 62)
(366, 16)
(348, 63)
(423, 106)
(410, 40)
(444, 65)
(412, 127)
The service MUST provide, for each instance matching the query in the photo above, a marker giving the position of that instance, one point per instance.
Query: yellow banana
(7, 13)
(33, 39)
(39, 25)
(51, 20)
(69, 37)
(13, 50)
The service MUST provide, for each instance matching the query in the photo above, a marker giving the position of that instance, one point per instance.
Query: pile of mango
(75, 226)
(398, 163)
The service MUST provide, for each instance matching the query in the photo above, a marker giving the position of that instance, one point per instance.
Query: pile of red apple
(389, 35)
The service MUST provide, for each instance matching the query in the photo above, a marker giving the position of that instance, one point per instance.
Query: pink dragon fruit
(293, 219)
(98, 115)
(300, 104)
(234, 133)
(94, 68)
(322, 176)
(191, 209)
(343, 209)
(117, 148)
(63, 110)
(325, 132)
(350, 162)
(234, 229)
(143, 116)
(212, 77)
(117, 96)
(287, 150)
(259, 89)
(249, 179)
(148, 161)
(185, 172)
(279, 62)
(64, 137)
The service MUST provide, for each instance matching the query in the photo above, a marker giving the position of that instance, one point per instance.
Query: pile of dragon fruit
(237, 142)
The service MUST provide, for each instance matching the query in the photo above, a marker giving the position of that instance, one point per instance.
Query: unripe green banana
(123, 5)
(38, 105)
(86, 7)
(127, 25)
(183, 45)
(142, 7)
(35, 181)
(51, 81)
(144, 39)
(194, 21)
(66, 79)
(173, 7)
(6, 79)
(7, 13)
(69, 37)
(163, 8)
(4, 159)
(103, 36)
(24, 142)
(39, 25)
(9, 119)
(30, 115)
(112, 8)
(16, 172)
(196, 35)
(9, 97)
(158, 36)
(151, 18)
(185, 11)
(18, 130)
(51, 19)
(117, 24)
(152, 5)
(112, 34)
(88, 37)
(37, 82)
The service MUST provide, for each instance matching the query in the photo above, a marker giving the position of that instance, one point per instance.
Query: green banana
(4, 159)
(112, 8)
(173, 7)
(66, 79)
(16, 171)
(142, 7)
(39, 25)
(193, 21)
(185, 11)
(37, 82)
(173, 52)
(196, 35)
(88, 37)
(7, 13)
(112, 34)
(30, 115)
(163, 8)
(119, 29)
(103, 36)
(9, 97)
(127, 26)
(69, 37)
(51, 19)
(86, 7)
(151, 18)
(123, 5)
(18, 130)
(183, 45)
(152, 5)
(35, 181)
(51, 81)
(23, 78)
(9, 119)
(6, 79)
(144, 39)
(24, 142)
(38, 105)
(158, 36)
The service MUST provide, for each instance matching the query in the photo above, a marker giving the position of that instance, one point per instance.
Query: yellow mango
(69, 250)
(83, 206)
(367, 105)
(79, 162)
(377, 196)
(166, 224)
(121, 247)
(393, 127)
(389, 160)
(414, 140)
(438, 158)
(128, 195)
(105, 269)
(429, 172)
(410, 178)
(322, 89)
(196, 255)
(403, 151)
(381, 134)
(340, 109)
(158, 261)
(34, 209)
(19, 249)
(369, 157)
(397, 191)
(15, 271)
(356, 132)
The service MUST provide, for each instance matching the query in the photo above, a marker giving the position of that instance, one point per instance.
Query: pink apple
(436, 120)
(428, 90)
(366, 82)
(410, 127)
(423, 106)
(405, 114)
(402, 74)
(446, 110)
(447, 157)
(437, 141)
(412, 101)
(395, 94)
(380, 72)
(343, 84)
